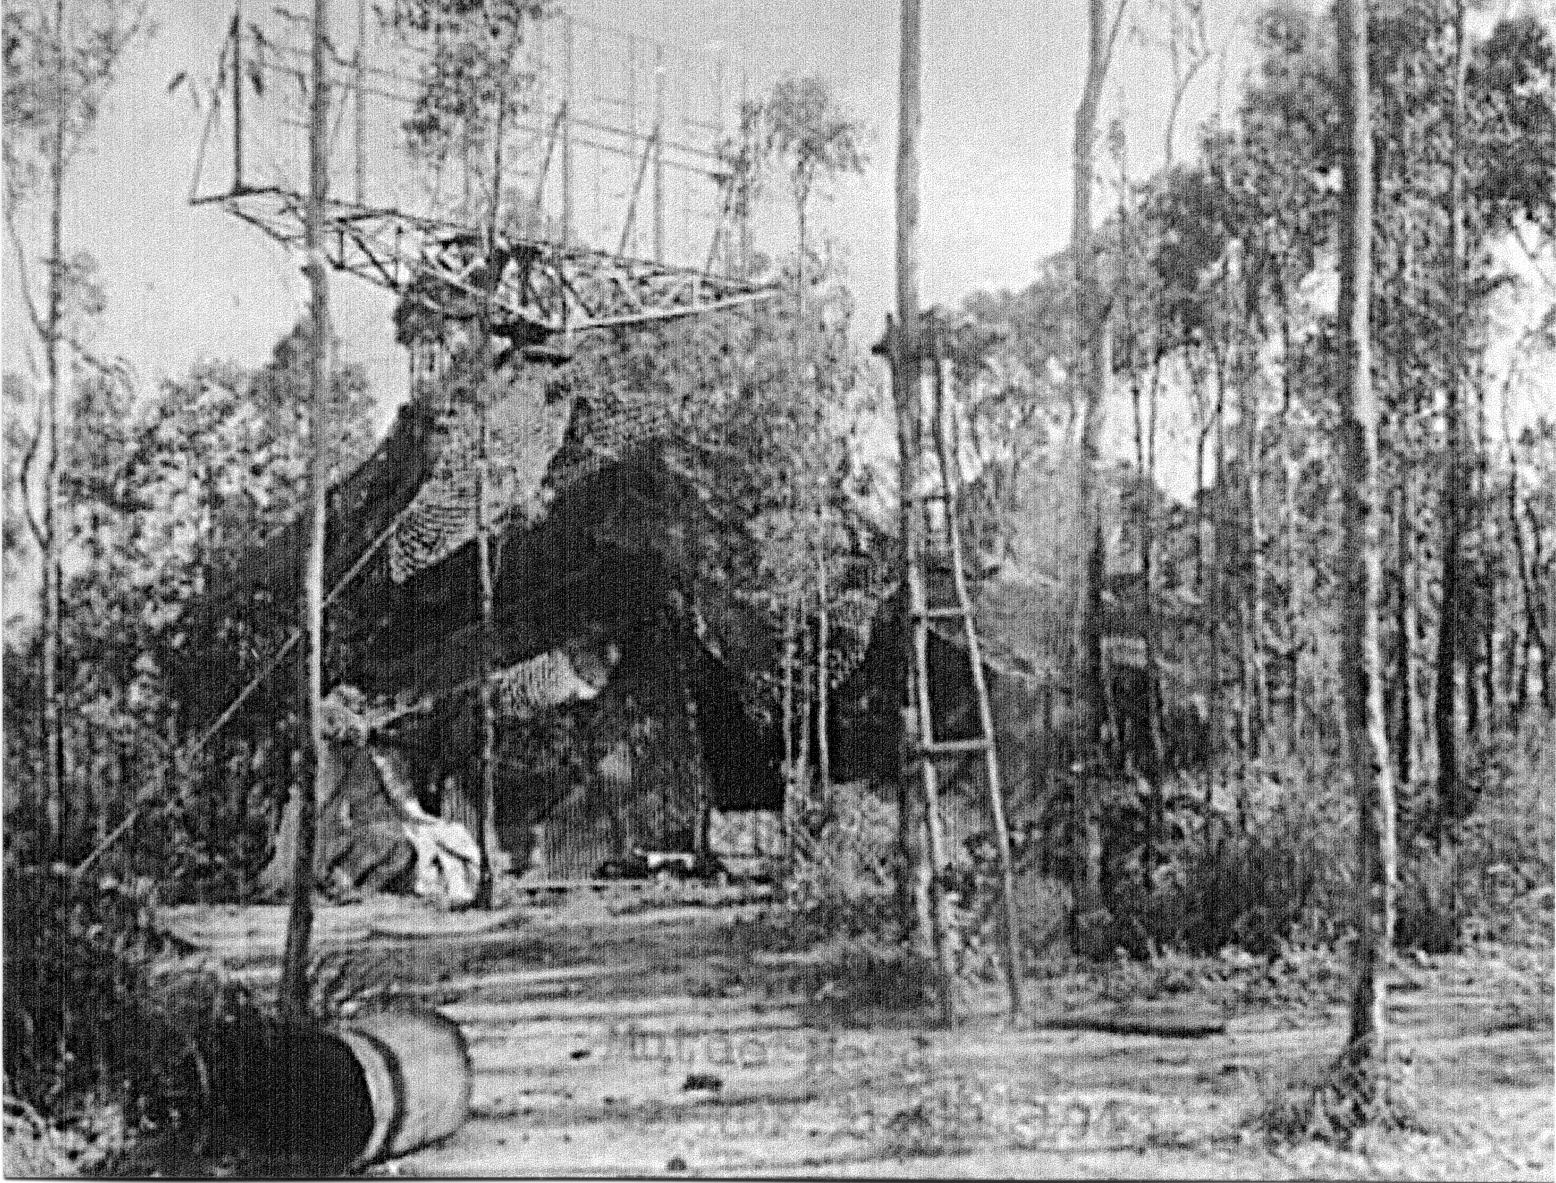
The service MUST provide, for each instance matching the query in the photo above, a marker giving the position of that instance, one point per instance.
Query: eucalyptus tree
(1091, 367)
(474, 85)
(807, 133)
(61, 61)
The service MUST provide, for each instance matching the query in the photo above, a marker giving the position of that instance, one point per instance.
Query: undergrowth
(1343, 1104)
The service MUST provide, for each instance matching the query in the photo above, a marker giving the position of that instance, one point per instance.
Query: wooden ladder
(940, 538)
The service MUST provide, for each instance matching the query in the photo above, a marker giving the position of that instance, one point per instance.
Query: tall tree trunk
(1091, 372)
(1201, 439)
(1446, 703)
(293, 995)
(1216, 576)
(1145, 467)
(907, 378)
(1291, 473)
(1360, 569)
(1256, 679)
(1486, 569)
(52, 586)
(1405, 625)
(1541, 628)
(1532, 637)
(823, 673)
(486, 754)
(902, 340)
(805, 711)
(486, 769)
(790, 658)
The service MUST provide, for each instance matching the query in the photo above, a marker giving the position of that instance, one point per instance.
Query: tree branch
(116, 369)
(1118, 21)
(23, 280)
(24, 478)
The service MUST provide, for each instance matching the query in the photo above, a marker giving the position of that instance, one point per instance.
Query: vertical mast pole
(237, 97)
(659, 153)
(904, 349)
(361, 103)
(567, 129)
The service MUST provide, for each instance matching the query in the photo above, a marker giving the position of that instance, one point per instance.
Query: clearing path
(675, 1041)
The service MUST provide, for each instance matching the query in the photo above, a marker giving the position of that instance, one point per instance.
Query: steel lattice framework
(608, 125)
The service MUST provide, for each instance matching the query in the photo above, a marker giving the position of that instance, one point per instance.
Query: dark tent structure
(608, 567)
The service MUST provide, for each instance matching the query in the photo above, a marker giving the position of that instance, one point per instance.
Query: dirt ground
(666, 1041)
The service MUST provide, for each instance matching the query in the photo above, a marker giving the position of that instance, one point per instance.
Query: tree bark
(1449, 644)
(293, 993)
(907, 374)
(790, 759)
(1360, 570)
(1255, 677)
(1091, 375)
(486, 770)
(1534, 636)
(1405, 625)
(486, 756)
(1290, 475)
(823, 673)
(52, 586)
(1145, 467)
(902, 339)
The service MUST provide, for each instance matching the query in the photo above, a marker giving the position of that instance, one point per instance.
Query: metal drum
(415, 1068)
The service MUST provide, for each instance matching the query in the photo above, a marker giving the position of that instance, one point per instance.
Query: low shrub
(842, 875)
(107, 1021)
(1341, 1104)
(1490, 877)
(1242, 861)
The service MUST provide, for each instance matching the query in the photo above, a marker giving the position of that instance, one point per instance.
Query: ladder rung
(953, 747)
(944, 613)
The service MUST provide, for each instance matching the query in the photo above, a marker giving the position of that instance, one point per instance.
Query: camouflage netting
(525, 436)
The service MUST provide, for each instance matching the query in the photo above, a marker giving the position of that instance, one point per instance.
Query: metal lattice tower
(615, 205)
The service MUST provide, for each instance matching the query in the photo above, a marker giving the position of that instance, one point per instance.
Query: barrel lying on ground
(329, 1100)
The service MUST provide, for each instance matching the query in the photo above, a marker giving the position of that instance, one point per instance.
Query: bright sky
(1001, 79)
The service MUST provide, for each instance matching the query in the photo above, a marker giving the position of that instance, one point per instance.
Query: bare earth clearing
(660, 1041)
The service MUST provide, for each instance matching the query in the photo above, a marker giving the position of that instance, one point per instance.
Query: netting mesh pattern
(524, 437)
(549, 680)
(612, 425)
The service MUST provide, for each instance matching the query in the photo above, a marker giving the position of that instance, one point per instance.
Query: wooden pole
(486, 769)
(659, 154)
(1366, 741)
(299, 926)
(1091, 376)
(53, 571)
(1449, 640)
(906, 355)
(237, 97)
(567, 129)
(361, 104)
